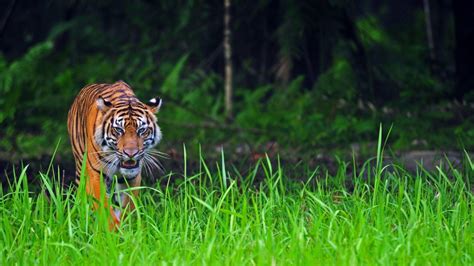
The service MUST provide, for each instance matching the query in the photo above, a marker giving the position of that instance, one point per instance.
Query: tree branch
(228, 60)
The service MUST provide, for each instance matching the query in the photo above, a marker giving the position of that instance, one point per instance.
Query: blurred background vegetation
(308, 76)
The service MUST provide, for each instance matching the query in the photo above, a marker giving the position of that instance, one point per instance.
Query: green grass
(384, 215)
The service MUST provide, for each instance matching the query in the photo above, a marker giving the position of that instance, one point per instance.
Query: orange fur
(89, 121)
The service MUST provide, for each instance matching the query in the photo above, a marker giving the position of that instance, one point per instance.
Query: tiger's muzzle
(130, 158)
(130, 163)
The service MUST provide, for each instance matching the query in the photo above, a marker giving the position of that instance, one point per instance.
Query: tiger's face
(126, 134)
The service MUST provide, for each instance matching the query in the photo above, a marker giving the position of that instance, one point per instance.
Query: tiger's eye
(142, 131)
(147, 132)
(118, 130)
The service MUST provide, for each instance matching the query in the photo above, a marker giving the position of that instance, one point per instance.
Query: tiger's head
(126, 132)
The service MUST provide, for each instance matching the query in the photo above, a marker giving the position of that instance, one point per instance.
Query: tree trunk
(429, 29)
(228, 61)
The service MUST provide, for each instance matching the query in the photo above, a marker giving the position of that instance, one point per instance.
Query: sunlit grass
(204, 216)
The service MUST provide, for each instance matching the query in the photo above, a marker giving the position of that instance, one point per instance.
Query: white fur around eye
(141, 130)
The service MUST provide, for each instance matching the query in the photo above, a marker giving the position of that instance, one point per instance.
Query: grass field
(381, 215)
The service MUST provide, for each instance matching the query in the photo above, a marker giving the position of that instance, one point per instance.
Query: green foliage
(371, 33)
(338, 82)
(344, 73)
(15, 79)
(170, 85)
(398, 63)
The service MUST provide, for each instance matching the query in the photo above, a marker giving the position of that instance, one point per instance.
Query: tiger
(115, 132)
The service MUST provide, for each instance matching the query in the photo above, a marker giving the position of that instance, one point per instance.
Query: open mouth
(129, 164)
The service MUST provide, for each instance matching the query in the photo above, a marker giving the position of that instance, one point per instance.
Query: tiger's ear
(103, 104)
(155, 104)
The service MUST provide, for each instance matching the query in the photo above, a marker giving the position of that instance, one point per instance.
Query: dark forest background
(309, 77)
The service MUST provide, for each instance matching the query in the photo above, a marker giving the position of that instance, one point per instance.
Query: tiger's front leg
(93, 185)
(123, 194)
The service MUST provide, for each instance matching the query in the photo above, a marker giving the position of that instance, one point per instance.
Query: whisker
(159, 154)
(107, 163)
(155, 159)
(155, 162)
(148, 169)
(102, 152)
(110, 165)
(157, 151)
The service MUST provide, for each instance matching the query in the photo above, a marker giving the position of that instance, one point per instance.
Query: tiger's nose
(130, 153)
